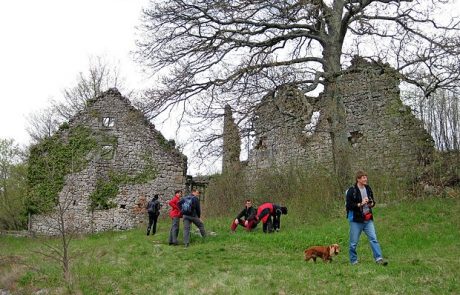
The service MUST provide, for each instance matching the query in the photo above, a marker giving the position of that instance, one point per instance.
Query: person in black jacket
(191, 215)
(244, 217)
(153, 209)
(359, 204)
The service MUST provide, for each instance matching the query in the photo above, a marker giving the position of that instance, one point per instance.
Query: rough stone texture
(135, 144)
(382, 132)
(231, 143)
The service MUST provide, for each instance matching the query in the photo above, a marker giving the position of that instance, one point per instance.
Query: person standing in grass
(245, 217)
(175, 215)
(191, 212)
(153, 209)
(265, 212)
(359, 203)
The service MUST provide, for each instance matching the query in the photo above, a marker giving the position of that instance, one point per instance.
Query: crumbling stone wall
(383, 133)
(231, 143)
(129, 145)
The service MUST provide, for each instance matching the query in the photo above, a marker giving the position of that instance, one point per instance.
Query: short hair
(195, 190)
(360, 174)
(177, 191)
(156, 196)
(248, 200)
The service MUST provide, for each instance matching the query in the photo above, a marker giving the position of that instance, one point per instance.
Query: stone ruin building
(383, 133)
(130, 145)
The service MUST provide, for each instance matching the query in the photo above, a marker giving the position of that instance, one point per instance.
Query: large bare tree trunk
(336, 116)
(336, 113)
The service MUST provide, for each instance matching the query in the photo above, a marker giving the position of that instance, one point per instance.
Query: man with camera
(359, 204)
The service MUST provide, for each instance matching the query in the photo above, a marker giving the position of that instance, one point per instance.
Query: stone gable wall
(383, 133)
(136, 145)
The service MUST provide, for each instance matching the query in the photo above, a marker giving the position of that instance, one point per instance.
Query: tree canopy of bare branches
(100, 76)
(210, 53)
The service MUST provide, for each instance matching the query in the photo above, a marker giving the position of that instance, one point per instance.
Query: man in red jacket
(175, 215)
(265, 212)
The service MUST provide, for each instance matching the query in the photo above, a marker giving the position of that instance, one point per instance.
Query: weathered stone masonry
(132, 145)
(383, 133)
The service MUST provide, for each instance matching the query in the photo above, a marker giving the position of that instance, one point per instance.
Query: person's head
(248, 203)
(155, 197)
(178, 192)
(284, 210)
(281, 210)
(361, 178)
(195, 192)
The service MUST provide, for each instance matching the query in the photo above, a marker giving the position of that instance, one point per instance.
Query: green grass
(420, 239)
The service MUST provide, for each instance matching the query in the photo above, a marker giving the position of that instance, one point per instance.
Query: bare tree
(101, 76)
(59, 222)
(440, 113)
(43, 123)
(211, 53)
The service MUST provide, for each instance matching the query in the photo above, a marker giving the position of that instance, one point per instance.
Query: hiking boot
(382, 262)
(186, 245)
(355, 262)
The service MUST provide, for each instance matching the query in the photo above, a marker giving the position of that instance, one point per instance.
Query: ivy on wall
(66, 153)
(51, 160)
(107, 189)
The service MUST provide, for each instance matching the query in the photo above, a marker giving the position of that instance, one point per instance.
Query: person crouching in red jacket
(175, 215)
(266, 212)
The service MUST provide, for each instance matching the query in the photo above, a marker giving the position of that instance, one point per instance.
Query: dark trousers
(174, 232)
(268, 226)
(188, 220)
(152, 223)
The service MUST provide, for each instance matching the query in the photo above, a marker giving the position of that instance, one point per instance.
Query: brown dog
(325, 252)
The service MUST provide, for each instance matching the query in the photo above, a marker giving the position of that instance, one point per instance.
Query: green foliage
(444, 169)
(12, 186)
(51, 160)
(410, 233)
(307, 193)
(102, 195)
(226, 193)
(107, 189)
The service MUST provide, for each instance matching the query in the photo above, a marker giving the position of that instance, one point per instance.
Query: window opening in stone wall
(354, 137)
(310, 128)
(108, 122)
(107, 152)
(123, 206)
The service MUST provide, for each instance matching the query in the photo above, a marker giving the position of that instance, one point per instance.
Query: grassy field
(420, 239)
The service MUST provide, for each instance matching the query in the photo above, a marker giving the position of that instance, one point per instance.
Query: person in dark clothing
(153, 209)
(266, 212)
(192, 215)
(244, 217)
(359, 203)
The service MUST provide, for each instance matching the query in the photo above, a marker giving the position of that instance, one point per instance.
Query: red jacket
(261, 208)
(175, 211)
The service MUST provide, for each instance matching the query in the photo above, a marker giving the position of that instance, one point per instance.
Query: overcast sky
(46, 43)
